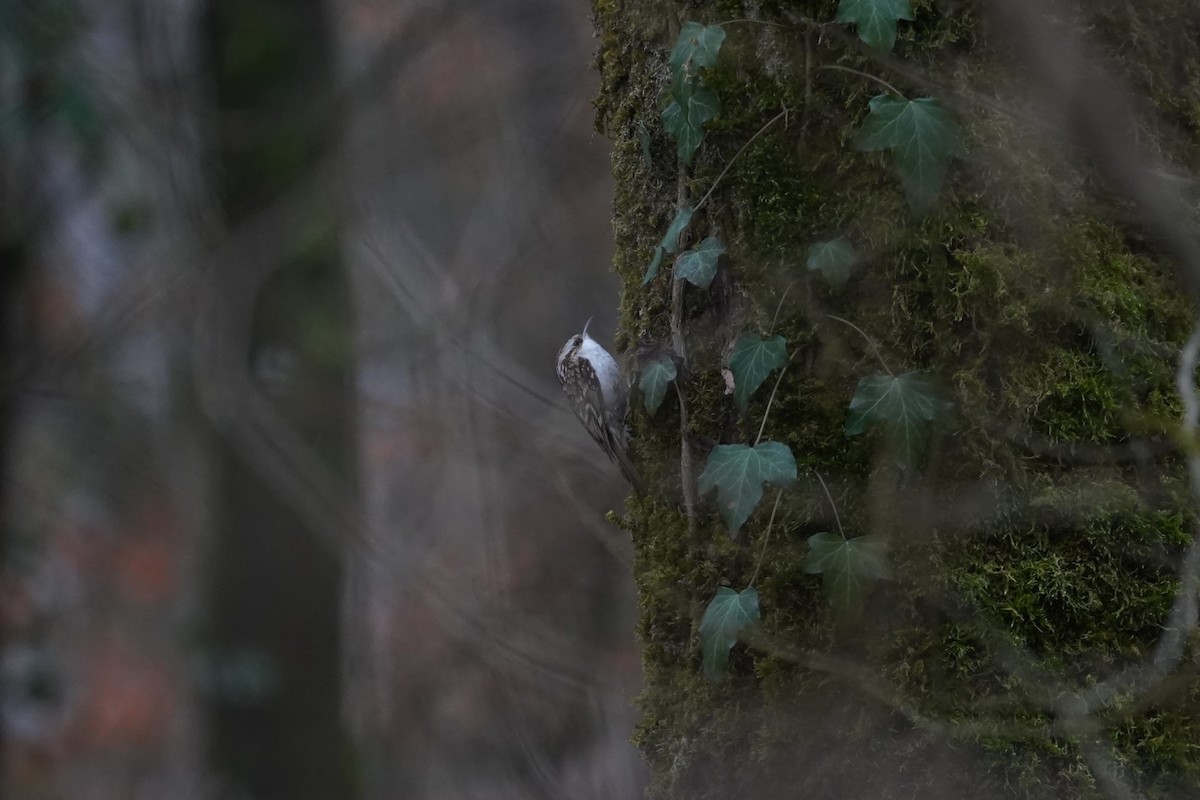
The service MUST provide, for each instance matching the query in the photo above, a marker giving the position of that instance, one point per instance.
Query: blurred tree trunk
(1036, 549)
(12, 269)
(15, 346)
(277, 381)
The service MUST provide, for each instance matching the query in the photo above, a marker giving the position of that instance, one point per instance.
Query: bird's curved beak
(585, 325)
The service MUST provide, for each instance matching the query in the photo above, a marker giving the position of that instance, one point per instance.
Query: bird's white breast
(606, 368)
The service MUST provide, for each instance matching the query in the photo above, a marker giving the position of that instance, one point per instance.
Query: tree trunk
(1037, 517)
(274, 376)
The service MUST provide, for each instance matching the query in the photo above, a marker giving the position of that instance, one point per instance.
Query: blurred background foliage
(291, 507)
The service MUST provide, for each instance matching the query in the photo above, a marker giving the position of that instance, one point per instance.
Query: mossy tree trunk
(1034, 637)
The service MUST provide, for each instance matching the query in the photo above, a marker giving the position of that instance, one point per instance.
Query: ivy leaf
(670, 241)
(875, 19)
(924, 137)
(906, 404)
(751, 361)
(696, 47)
(728, 613)
(653, 383)
(738, 473)
(833, 259)
(691, 106)
(846, 565)
(699, 264)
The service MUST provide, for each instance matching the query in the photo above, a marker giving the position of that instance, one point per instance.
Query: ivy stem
(832, 505)
(679, 345)
(866, 75)
(766, 537)
(770, 400)
(779, 307)
(870, 341)
(749, 141)
(808, 82)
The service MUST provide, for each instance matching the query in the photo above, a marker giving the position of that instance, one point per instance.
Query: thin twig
(870, 341)
(1185, 384)
(862, 74)
(686, 469)
(1108, 774)
(617, 546)
(749, 141)
(779, 307)
(808, 84)
(832, 504)
(754, 21)
(872, 685)
(766, 537)
(770, 399)
(1182, 618)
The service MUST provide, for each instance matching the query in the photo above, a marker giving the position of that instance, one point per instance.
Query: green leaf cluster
(905, 404)
(727, 615)
(692, 103)
(669, 243)
(738, 471)
(924, 137)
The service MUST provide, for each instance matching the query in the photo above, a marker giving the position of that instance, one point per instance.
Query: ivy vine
(922, 138)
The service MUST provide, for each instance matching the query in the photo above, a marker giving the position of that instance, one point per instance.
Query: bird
(599, 395)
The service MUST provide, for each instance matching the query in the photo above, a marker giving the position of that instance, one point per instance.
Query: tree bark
(1033, 632)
